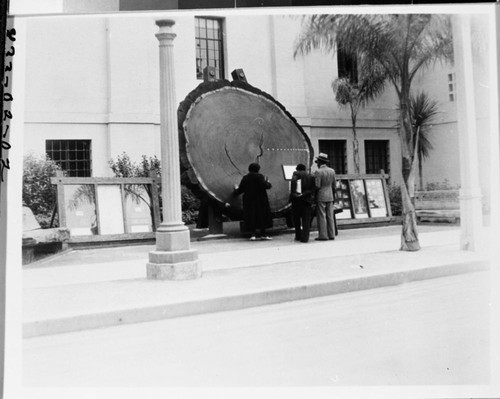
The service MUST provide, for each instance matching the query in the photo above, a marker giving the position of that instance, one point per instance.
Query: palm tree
(423, 113)
(356, 95)
(401, 45)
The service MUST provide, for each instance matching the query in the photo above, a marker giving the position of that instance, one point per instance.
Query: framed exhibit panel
(358, 194)
(343, 200)
(108, 209)
(79, 209)
(377, 204)
(362, 199)
(138, 205)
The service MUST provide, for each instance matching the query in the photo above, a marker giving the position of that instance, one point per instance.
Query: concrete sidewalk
(96, 288)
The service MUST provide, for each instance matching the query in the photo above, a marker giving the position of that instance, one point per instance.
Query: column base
(175, 265)
(173, 259)
(172, 240)
(471, 220)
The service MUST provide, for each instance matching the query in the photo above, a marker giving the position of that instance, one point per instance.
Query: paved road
(434, 332)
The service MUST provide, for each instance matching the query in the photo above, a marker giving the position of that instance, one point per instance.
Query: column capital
(165, 23)
(166, 32)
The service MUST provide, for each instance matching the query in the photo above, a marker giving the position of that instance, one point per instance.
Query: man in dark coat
(256, 209)
(302, 195)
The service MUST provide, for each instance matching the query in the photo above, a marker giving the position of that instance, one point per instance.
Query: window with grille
(74, 156)
(209, 46)
(336, 151)
(347, 65)
(377, 156)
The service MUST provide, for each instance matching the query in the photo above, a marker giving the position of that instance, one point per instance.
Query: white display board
(288, 171)
(110, 209)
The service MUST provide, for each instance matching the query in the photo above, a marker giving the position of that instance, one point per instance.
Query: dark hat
(322, 157)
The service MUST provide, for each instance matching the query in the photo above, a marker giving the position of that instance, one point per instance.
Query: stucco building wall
(97, 77)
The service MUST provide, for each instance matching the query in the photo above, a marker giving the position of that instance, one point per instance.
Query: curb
(244, 300)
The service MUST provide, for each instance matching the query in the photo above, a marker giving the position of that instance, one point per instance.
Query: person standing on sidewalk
(302, 196)
(325, 183)
(256, 209)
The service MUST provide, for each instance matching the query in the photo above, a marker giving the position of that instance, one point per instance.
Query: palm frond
(371, 86)
(388, 47)
(435, 43)
(424, 111)
(84, 194)
(318, 33)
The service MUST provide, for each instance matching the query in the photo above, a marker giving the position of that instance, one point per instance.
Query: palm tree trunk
(420, 172)
(356, 155)
(409, 234)
(355, 145)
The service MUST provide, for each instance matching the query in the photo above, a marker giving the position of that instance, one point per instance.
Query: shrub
(124, 167)
(38, 193)
(395, 198)
(190, 206)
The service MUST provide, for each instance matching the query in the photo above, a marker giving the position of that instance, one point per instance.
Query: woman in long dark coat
(256, 209)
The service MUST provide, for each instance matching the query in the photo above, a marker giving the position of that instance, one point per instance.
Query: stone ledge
(40, 242)
(438, 215)
(57, 234)
(437, 201)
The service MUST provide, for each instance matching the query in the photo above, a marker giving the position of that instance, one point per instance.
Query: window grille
(73, 156)
(336, 151)
(209, 46)
(377, 156)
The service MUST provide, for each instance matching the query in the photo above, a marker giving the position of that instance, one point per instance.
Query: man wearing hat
(325, 182)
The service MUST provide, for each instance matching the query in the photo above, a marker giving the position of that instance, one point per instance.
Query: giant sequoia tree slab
(224, 126)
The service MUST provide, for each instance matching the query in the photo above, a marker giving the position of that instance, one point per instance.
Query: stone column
(173, 258)
(471, 217)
